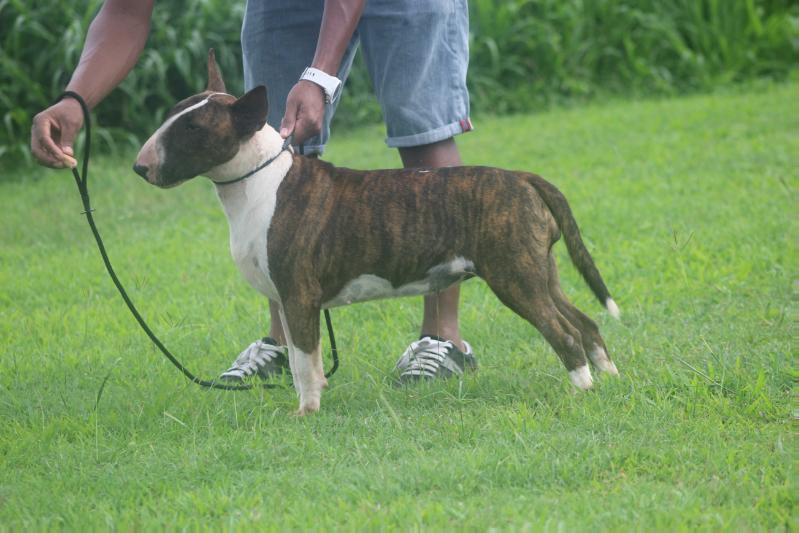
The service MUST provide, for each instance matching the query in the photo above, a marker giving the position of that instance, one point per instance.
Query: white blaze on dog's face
(201, 132)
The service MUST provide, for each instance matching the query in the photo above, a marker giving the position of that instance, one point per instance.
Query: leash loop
(82, 181)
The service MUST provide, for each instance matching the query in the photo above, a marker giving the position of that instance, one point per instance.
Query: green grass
(689, 207)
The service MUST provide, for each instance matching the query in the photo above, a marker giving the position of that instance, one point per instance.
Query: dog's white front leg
(310, 379)
(292, 353)
(307, 373)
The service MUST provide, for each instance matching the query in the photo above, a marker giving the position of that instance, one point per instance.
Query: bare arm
(339, 21)
(114, 41)
(305, 105)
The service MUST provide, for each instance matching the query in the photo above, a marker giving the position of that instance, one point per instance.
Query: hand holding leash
(305, 112)
(53, 133)
(82, 181)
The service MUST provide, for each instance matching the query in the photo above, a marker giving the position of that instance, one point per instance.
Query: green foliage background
(525, 55)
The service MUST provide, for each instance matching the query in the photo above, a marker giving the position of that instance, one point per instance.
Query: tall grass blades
(525, 54)
(41, 41)
(528, 53)
(36, 55)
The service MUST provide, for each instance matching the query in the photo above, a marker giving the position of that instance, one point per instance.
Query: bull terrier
(313, 236)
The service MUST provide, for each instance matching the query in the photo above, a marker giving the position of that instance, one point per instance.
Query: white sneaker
(264, 357)
(433, 357)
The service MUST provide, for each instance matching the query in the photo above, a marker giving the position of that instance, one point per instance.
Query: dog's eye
(192, 127)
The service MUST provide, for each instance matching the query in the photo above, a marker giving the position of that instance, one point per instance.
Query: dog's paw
(581, 377)
(602, 362)
(307, 408)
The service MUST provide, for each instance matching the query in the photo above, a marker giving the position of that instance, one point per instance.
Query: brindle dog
(311, 236)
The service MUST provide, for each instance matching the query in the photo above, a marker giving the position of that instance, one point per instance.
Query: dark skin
(305, 104)
(114, 42)
(117, 37)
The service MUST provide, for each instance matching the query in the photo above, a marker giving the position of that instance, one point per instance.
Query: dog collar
(286, 148)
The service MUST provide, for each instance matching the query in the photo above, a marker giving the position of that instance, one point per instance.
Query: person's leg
(303, 41)
(275, 56)
(441, 309)
(278, 40)
(417, 59)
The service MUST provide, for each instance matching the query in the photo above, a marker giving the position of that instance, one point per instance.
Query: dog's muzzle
(141, 170)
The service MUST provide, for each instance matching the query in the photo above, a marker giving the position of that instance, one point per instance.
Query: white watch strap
(330, 84)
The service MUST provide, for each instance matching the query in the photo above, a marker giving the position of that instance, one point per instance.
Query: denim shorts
(416, 52)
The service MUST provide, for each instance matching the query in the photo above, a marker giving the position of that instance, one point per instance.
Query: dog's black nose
(141, 170)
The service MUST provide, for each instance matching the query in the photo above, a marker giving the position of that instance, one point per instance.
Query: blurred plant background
(526, 55)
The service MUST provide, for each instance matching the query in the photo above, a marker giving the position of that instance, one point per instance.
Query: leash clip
(287, 144)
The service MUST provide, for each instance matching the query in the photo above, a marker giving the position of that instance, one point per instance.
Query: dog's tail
(560, 209)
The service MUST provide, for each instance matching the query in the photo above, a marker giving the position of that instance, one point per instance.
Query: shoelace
(256, 355)
(425, 356)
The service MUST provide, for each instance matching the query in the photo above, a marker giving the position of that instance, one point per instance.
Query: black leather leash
(82, 181)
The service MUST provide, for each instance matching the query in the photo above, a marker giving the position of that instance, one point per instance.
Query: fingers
(305, 111)
(69, 131)
(42, 146)
(69, 161)
(53, 133)
(289, 119)
(304, 129)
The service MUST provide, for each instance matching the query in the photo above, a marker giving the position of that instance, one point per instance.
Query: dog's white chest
(248, 233)
(249, 206)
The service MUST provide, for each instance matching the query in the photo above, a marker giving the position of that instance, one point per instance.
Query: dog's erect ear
(249, 111)
(215, 83)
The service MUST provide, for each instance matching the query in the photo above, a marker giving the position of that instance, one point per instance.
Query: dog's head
(201, 132)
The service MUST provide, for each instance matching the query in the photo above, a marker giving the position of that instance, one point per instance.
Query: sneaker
(433, 357)
(264, 357)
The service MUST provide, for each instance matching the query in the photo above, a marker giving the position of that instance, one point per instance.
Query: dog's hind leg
(593, 344)
(301, 326)
(522, 287)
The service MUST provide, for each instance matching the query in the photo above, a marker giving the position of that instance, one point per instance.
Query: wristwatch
(330, 84)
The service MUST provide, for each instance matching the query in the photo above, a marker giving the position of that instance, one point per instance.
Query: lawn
(689, 208)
